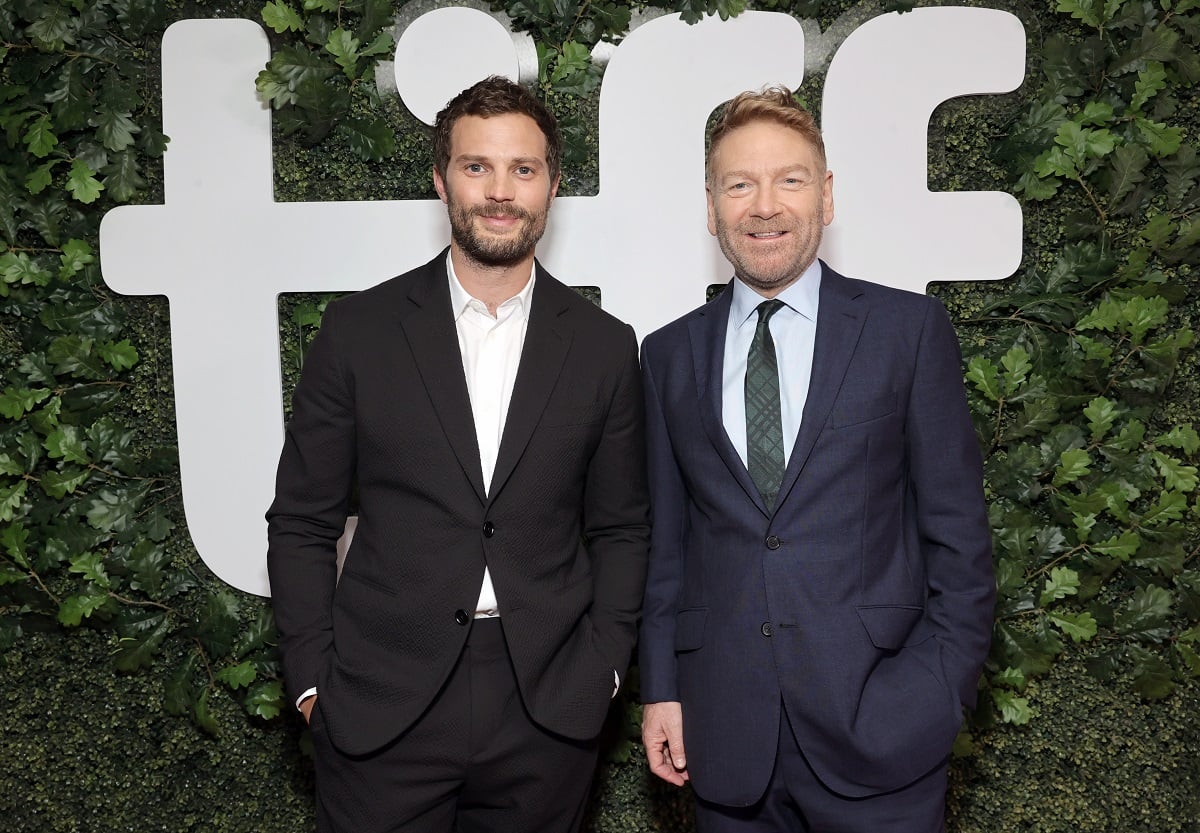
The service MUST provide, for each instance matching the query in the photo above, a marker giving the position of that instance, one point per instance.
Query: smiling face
(497, 188)
(769, 200)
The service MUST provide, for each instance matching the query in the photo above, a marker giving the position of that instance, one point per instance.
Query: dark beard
(487, 251)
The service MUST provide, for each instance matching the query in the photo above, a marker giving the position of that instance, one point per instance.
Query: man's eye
(475, 168)
(524, 170)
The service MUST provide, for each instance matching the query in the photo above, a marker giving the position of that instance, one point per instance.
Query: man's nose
(500, 188)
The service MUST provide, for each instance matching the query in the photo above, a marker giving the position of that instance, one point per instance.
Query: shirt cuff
(312, 692)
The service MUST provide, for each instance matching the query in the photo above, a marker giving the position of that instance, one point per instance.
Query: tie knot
(768, 308)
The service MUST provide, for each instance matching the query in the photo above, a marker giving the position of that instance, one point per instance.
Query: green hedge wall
(139, 692)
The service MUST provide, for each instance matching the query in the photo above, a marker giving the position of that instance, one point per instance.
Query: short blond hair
(773, 104)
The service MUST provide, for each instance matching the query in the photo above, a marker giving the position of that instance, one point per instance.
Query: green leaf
(39, 178)
(1030, 653)
(1156, 44)
(59, 484)
(67, 444)
(40, 138)
(282, 17)
(1010, 677)
(1074, 464)
(1126, 170)
(111, 511)
(74, 609)
(146, 561)
(123, 177)
(260, 632)
(1171, 506)
(1190, 659)
(76, 256)
(1016, 368)
(121, 355)
(114, 128)
(1081, 627)
(1151, 676)
(1147, 614)
(1101, 413)
(1120, 546)
(343, 46)
(11, 498)
(1175, 474)
(10, 464)
(1183, 437)
(71, 100)
(82, 183)
(372, 140)
(180, 690)
(90, 565)
(1013, 708)
(138, 650)
(238, 676)
(1063, 582)
(1152, 79)
(1159, 139)
(202, 715)
(985, 376)
(15, 539)
(265, 700)
(218, 624)
(20, 268)
(15, 402)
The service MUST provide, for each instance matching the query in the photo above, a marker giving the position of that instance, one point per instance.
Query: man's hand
(306, 707)
(662, 734)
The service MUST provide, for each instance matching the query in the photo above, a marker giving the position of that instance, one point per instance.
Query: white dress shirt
(794, 331)
(491, 353)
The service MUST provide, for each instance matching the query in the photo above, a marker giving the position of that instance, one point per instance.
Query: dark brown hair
(495, 96)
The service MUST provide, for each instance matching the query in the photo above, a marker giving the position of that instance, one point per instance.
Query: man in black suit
(457, 673)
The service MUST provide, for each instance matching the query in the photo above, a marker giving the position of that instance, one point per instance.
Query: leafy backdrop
(139, 691)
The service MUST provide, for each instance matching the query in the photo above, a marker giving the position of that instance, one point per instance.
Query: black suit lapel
(547, 341)
(428, 324)
(840, 318)
(707, 333)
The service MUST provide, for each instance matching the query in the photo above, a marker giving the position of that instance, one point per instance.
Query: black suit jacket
(863, 602)
(382, 404)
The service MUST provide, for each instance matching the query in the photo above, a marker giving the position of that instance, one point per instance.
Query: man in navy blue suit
(819, 599)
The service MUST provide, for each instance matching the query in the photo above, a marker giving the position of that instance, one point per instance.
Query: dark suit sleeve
(615, 515)
(668, 513)
(312, 493)
(947, 481)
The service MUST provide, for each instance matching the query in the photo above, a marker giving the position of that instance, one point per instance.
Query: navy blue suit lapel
(428, 324)
(547, 341)
(840, 318)
(707, 330)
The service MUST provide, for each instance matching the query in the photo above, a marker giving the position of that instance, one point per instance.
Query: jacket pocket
(689, 629)
(890, 626)
(853, 412)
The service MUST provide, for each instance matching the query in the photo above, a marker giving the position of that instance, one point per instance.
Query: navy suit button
(773, 543)
(766, 629)
(461, 617)
(489, 529)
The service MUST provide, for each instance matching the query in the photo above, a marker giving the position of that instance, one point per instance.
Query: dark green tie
(764, 421)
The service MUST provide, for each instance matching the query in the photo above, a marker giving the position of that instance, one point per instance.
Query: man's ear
(712, 211)
(439, 184)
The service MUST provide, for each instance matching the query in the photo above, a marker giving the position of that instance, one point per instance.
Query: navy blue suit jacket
(864, 601)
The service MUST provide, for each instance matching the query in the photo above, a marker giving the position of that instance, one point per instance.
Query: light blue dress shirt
(794, 331)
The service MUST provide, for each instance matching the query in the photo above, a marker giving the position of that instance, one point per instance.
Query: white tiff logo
(641, 239)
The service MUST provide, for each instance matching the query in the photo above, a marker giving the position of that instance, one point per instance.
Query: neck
(492, 284)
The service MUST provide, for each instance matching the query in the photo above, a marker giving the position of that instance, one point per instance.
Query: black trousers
(474, 762)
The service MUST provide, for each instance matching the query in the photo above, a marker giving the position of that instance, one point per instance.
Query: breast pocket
(858, 411)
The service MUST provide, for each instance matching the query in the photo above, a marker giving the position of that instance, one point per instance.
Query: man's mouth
(766, 235)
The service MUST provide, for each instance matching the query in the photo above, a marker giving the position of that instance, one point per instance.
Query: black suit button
(489, 529)
(461, 617)
(773, 543)
(766, 629)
